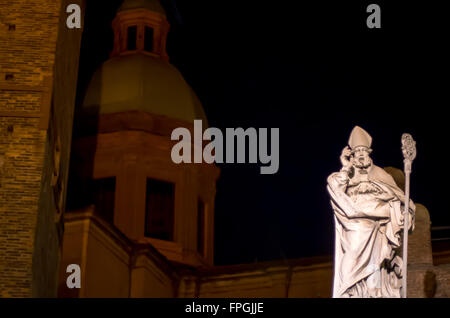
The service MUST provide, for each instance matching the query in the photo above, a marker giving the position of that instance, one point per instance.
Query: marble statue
(368, 211)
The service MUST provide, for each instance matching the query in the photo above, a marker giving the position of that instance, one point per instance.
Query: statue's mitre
(359, 137)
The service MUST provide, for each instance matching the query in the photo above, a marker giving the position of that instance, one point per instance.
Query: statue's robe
(369, 229)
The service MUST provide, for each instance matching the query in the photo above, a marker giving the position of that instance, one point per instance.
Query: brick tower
(38, 73)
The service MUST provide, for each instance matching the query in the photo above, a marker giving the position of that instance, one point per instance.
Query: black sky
(314, 70)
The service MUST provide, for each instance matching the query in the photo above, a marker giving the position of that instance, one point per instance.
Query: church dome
(145, 83)
(138, 75)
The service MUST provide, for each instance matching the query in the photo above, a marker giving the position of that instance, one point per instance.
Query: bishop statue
(368, 212)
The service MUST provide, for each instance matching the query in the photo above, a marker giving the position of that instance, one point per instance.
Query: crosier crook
(409, 153)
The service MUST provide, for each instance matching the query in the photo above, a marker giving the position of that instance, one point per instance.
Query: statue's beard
(362, 163)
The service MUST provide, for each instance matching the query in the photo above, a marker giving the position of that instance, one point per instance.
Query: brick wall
(19, 195)
(30, 33)
(443, 280)
(49, 229)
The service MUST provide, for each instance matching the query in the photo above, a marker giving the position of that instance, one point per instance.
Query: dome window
(201, 227)
(140, 30)
(104, 195)
(148, 39)
(159, 214)
(131, 38)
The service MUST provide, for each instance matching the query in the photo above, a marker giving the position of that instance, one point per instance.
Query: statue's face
(361, 157)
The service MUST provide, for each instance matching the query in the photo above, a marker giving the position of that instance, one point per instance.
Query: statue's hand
(346, 157)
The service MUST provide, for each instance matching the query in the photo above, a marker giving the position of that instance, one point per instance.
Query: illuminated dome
(138, 76)
(145, 83)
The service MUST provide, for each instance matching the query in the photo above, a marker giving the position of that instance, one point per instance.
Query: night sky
(314, 71)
